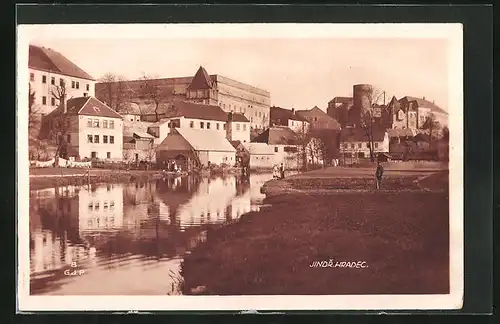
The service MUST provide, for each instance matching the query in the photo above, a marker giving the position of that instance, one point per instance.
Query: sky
(299, 73)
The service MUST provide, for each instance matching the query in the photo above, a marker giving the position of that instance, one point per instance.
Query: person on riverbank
(282, 171)
(276, 172)
(379, 173)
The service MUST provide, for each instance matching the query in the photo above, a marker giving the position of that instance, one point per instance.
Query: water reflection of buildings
(100, 208)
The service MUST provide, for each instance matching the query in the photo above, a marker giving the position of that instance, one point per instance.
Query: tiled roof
(278, 135)
(46, 59)
(235, 144)
(323, 120)
(280, 116)
(203, 140)
(196, 111)
(143, 135)
(258, 148)
(425, 103)
(398, 132)
(201, 80)
(357, 134)
(94, 107)
(239, 117)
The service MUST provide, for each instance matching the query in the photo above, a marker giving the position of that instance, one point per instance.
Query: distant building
(318, 119)
(288, 118)
(419, 109)
(49, 70)
(210, 118)
(192, 148)
(259, 155)
(139, 147)
(355, 142)
(202, 88)
(87, 127)
(285, 143)
(338, 109)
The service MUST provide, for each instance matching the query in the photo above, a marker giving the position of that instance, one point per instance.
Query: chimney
(423, 97)
(293, 111)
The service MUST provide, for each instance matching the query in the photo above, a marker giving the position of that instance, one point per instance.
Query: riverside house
(285, 144)
(355, 144)
(85, 128)
(193, 148)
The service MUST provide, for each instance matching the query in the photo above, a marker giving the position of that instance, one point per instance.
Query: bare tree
(151, 153)
(152, 89)
(368, 116)
(33, 109)
(117, 93)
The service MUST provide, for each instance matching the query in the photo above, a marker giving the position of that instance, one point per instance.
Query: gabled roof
(202, 140)
(92, 107)
(342, 100)
(258, 148)
(277, 135)
(424, 103)
(201, 80)
(46, 59)
(357, 134)
(323, 119)
(239, 117)
(280, 116)
(197, 111)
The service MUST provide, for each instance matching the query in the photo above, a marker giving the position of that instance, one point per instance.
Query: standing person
(282, 171)
(275, 172)
(379, 173)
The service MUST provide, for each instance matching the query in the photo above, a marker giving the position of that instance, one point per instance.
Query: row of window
(74, 84)
(53, 100)
(217, 126)
(360, 145)
(105, 139)
(95, 205)
(96, 123)
(95, 155)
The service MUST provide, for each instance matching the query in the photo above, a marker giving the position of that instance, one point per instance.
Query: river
(129, 239)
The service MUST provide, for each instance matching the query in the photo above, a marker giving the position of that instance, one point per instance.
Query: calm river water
(128, 239)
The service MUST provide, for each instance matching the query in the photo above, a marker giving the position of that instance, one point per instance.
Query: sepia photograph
(240, 166)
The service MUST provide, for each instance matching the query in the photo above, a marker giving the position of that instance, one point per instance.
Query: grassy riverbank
(401, 235)
(51, 177)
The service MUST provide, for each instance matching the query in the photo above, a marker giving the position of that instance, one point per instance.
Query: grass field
(402, 236)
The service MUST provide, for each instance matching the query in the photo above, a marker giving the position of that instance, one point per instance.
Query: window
(111, 124)
(68, 138)
(237, 127)
(224, 126)
(85, 94)
(88, 87)
(32, 76)
(208, 125)
(105, 123)
(94, 155)
(292, 122)
(217, 126)
(260, 114)
(52, 80)
(359, 145)
(202, 125)
(91, 206)
(89, 122)
(105, 139)
(96, 123)
(376, 145)
(352, 145)
(276, 149)
(244, 127)
(77, 85)
(53, 101)
(90, 139)
(96, 138)
(108, 155)
(112, 140)
(368, 145)
(191, 124)
(44, 100)
(96, 207)
(44, 79)
(61, 82)
(72, 84)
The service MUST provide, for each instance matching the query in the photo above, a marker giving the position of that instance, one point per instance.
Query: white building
(93, 130)
(260, 155)
(49, 71)
(195, 148)
(355, 144)
(285, 144)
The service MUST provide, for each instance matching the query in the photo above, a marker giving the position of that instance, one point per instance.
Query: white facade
(217, 157)
(44, 83)
(361, 149)
(288, 155)
(298, 126)
(99, 137)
